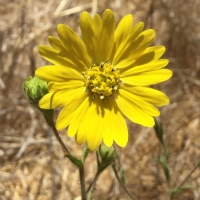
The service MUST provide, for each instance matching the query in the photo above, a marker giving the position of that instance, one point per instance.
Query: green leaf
(162, 160)
(76, 161)
(159, 131)
(85, 153)
(122, 175)
(198, 164)
(185, 187)
(98, 160)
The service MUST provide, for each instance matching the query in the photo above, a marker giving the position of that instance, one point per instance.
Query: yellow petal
(106, 42)
(128, 44)
(67, 55)
(136, 101)
(94, 131)
(121, 34)
(123, 29)
(59, 99)
(55, 73)
(148, 58)
(52, 100)
(134, 49)
(150, 54)
(147, 94)
(91, 125)
(134, 113)
(88, 34)
(78, 115)
(73, 44)
(148, 78)
(57, 44)
(115, 127)
(108, 130)
(97, 23)
(73, 101)
(152, 66)
(81, 135)
(99, 42)
(67, 85)
(108, 125)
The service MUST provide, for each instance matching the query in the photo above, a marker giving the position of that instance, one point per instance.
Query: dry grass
(32, 164)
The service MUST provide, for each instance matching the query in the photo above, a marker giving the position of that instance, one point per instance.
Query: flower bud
(107, 154)
(34, 89)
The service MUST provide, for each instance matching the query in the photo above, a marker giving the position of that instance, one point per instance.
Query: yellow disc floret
(102, 79)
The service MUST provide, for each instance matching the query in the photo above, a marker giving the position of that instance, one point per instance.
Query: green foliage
(159, 131)
(179, 189)
(122, 175)
(163, 161)
(78, 162)
(85, 153)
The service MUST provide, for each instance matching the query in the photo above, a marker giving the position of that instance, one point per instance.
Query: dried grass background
(32, 164)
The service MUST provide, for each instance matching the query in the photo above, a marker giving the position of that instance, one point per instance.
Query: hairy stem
(52, 125)
(82, 181)
(94, 181)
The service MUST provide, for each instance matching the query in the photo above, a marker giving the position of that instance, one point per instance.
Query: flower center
(102, 79)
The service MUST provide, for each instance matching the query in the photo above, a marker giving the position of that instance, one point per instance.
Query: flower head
(103, 78)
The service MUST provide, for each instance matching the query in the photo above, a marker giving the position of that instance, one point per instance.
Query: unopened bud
(34, 89)
(107, 153)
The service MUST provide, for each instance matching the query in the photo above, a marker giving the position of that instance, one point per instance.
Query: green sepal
(107, 153)
(85, 153)
(76, 161)
(100, 164)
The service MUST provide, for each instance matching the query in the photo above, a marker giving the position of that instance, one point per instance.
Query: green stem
(51, 123)
(94, 181)
(82, 181)
(122, 184)
(79, 163)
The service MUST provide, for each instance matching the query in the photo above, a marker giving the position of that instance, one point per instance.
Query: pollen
(102, 80)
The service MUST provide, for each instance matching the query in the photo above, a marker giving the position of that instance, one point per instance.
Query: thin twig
(27, 140)
(75, 9)
(39, 187)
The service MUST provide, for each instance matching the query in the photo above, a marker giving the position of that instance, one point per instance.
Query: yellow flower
(103, 78)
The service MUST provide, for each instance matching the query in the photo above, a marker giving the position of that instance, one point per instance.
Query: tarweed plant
(99, 81)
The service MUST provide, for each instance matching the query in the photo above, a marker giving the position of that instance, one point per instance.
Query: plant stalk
(82, 181)
(52, 125)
